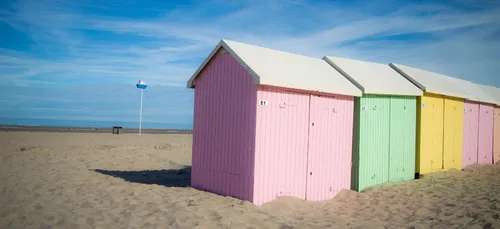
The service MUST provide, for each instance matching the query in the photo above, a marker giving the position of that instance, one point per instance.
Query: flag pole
(141, 85)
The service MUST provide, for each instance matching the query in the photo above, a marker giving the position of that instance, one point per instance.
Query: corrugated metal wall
(430, 133)
(485, 143)
(402, 138)
(281, 145)
(496, 135)
(224, 129)
(330, 146)
(453, 132)
(470, 133)
(371, 154)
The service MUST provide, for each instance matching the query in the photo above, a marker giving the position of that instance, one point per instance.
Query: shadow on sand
(166, 177)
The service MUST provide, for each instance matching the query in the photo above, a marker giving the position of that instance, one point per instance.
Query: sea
(92, 124)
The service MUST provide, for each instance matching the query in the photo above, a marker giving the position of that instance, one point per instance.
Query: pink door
(496, 136)
(280, 145)
(330, 146)
(485, 149)
(471, 133)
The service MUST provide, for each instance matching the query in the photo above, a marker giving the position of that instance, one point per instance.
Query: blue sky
(80, 59)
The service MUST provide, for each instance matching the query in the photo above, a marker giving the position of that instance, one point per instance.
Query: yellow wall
(430, 133)
(440, 121)
(453, 132)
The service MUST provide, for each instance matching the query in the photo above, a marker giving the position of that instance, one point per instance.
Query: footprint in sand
(165, 146)
(38, 207)
(106, 147)
(487, 225)
(90, 221)
(26, 148)
(214, 216)
(85, 204)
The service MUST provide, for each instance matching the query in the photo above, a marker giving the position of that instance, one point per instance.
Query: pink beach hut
(478, 123)
(495, 93)
(269, 123)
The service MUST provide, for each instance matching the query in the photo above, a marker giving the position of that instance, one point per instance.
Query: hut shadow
(166, 177)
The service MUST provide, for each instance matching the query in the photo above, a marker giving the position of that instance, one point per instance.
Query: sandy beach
(101, 180)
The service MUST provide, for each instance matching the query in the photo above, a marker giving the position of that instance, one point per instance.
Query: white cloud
(83, 65)
(167, 49)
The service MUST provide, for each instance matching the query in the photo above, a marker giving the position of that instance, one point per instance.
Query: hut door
(496, 135)
(282, 125)
(485, 144)
(453, 133)
(329, 154)
(470, 133)
(402, 138)
(431, 134)
(373, 144)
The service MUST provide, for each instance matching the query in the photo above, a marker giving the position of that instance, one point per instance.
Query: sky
(80, 59)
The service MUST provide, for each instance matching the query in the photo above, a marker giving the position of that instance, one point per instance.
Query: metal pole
(140, 115)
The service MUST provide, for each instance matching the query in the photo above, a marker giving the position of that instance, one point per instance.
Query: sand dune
(100, 180)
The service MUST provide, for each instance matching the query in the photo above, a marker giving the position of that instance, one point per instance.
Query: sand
(100, 180)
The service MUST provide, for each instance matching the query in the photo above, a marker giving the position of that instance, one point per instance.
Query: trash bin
(116, 129)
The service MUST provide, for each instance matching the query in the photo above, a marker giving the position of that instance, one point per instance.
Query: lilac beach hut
(269, 123)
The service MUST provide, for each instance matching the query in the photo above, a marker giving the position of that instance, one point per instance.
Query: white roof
(430, 81)
(493, 91)
(374, 78)
(474, 91)
(445, 85)
(283, 69)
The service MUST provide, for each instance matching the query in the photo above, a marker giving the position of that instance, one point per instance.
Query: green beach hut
(384, 123)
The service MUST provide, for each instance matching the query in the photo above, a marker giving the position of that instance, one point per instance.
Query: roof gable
(282, 69)
(374, 78)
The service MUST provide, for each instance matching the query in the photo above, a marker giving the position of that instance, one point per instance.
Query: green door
(402, 138)
(371, 141)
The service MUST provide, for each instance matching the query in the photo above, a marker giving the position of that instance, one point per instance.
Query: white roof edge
(424, 87)
(342, 72)
(476, 93)
(493, 91)
(205, 62)
(257, 79)
(222, 43)
(408, 77)
(487, 89)
(467, 90)
(358, 84)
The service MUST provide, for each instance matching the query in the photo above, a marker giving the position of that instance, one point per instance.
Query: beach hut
(385, 116)
(447, 125)
(478, 124)
(269, 123)
(495, 93)
(440, 120)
